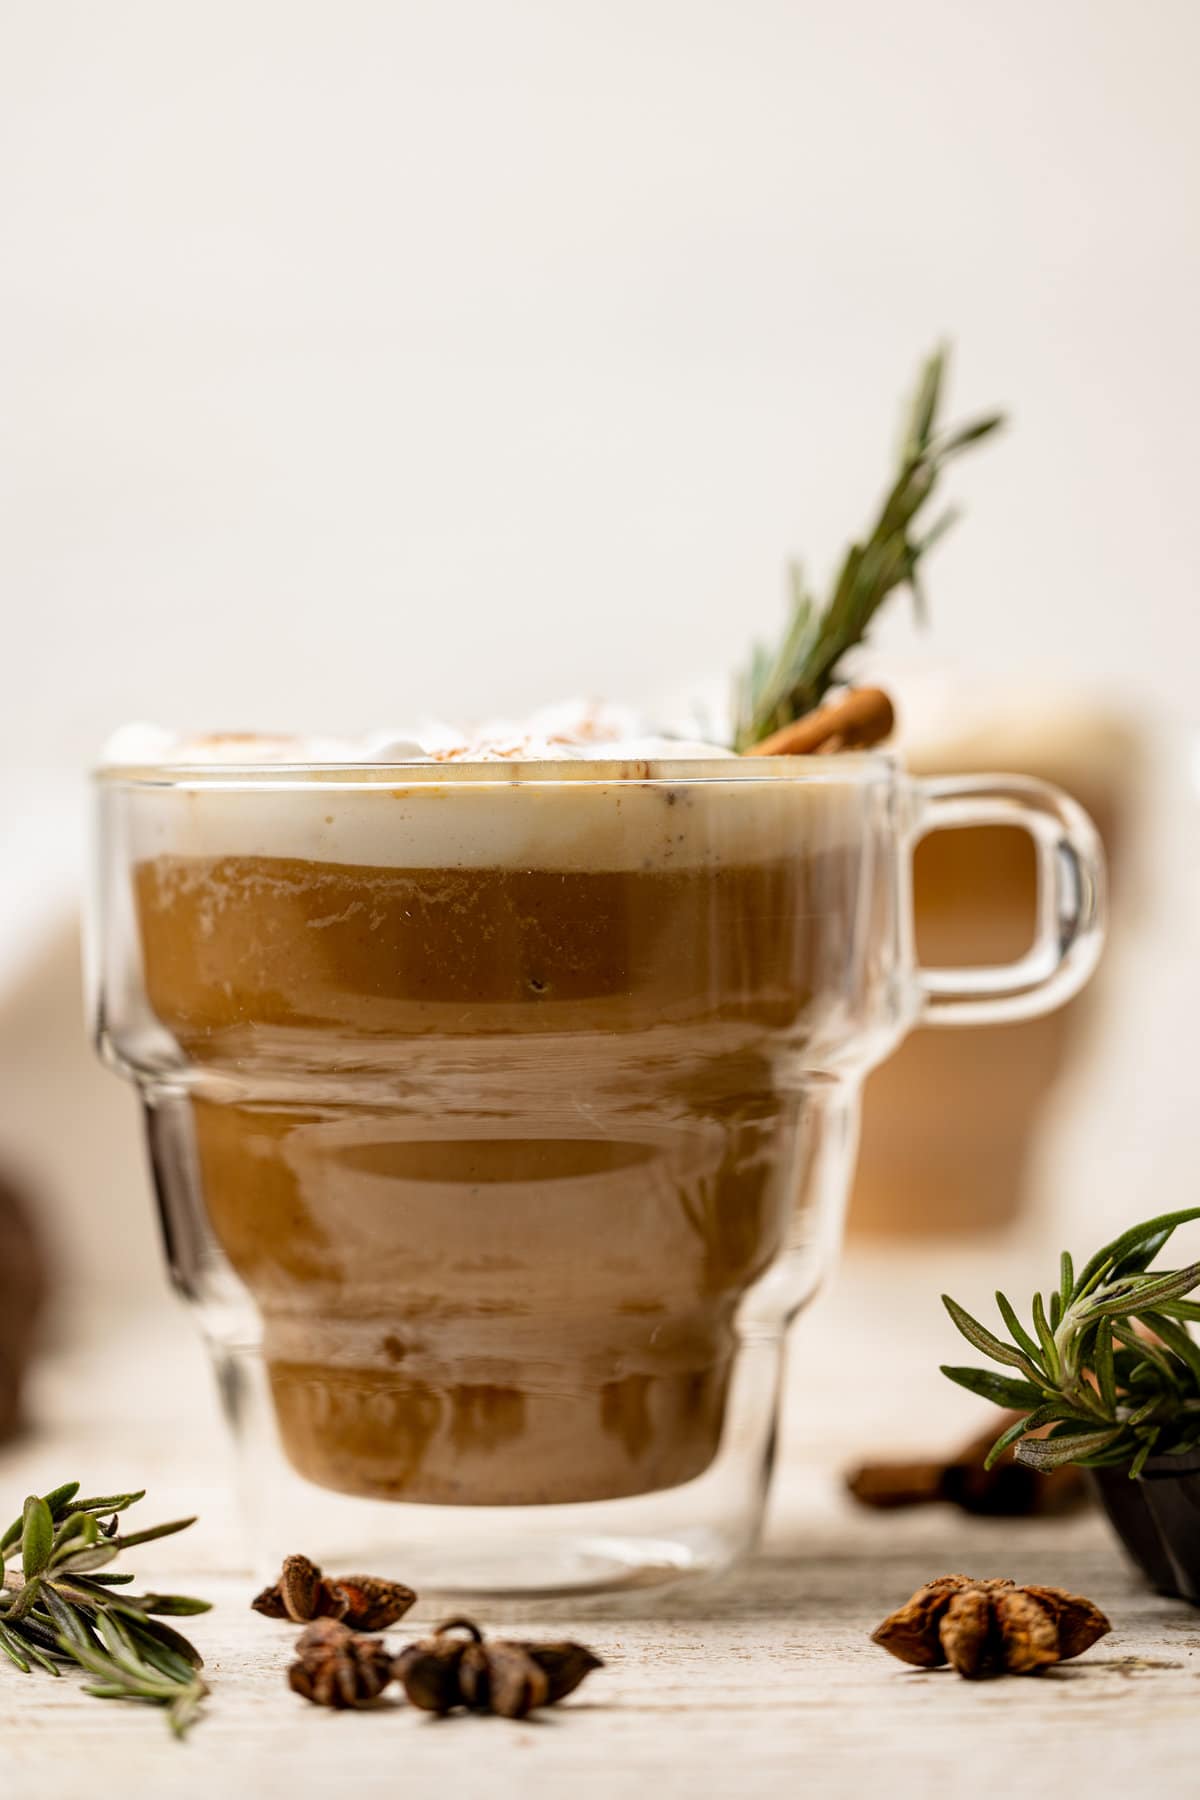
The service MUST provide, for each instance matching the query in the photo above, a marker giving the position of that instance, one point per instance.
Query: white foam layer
(626, 816)
(620, 823)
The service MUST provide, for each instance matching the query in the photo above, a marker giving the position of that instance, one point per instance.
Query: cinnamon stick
(854, 721)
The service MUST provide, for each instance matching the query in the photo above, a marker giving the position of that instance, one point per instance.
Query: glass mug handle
(1070, 899)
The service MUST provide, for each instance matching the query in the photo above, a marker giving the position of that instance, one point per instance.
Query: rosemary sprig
(782, 685)
(59, 1606)
(1109, 1394)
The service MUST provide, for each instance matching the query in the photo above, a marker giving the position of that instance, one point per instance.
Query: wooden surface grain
(762, 1684)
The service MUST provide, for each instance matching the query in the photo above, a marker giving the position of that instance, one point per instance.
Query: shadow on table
(851, 1578)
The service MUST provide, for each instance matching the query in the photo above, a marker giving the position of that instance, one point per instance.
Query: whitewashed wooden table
(762, 1684)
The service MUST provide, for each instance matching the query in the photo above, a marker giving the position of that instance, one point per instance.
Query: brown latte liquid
(496, 1151)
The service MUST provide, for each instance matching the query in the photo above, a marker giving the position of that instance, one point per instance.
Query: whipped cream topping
(570, 731)
(625, 817)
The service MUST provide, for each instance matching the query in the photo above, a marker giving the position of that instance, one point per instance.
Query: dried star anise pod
(334, 1667)
(990, 1627)
(372, 1604)
(508, 1676)
(302, 1593)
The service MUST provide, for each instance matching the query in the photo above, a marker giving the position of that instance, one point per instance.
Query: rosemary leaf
(12, 1647)
(175, 1606)
(138, 1685)
(1066, 1279)
(156, 1631)
(95, 1556)
(1142, 1453)
(1034, 1421)
(1016, 1330)
(983, 1339)
(111, 1503)
(119, 1644)
(1008, 1437)
(73, 1526)
(69, 1622)
(127, 1539)
(1181, 1309)
(32, 1647)
(1147, 1292)
(37, 1537)
(1174, 1337)
(1056, 1452)
(1003, 1390)
(57, 1499)
(1135, 1249)
(32, 1633)
(1046, 1337)
(163, 1656)
(184, 1710)
(1102, 1366)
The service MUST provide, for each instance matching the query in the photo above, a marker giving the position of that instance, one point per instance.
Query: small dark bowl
(1157, 1518)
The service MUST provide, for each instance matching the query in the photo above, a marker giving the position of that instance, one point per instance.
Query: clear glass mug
(502, 1118)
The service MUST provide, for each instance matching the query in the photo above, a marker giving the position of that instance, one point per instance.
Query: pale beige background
(361, 354)
(363, 357)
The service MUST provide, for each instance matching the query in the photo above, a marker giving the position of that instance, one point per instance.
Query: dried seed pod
(474, 1676)
(324, 1635)
(429, 1670)
(990, 1627)
(428, 1673)
(516, 1684)
(371, 1603)
(506, 1676)
(1078, 1622)
(564, 1665)
(269, 1603)
(964, 1631)
(912, 1632)
(1028, 1634)
(335, 1667)
(300, 1587)
(301, 1594)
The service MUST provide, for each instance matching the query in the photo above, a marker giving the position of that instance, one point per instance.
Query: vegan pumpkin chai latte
(493, 1096)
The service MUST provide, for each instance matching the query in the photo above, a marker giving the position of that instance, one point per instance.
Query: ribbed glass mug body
(502, 1119)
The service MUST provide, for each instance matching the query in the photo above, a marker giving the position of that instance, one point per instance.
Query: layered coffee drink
(495, 1087)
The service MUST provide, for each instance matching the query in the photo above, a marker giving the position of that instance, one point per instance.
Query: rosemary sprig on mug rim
(1108, 1392)
(783, 685)
(62, 1605)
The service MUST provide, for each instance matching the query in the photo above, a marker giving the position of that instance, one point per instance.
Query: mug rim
(859, 765)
